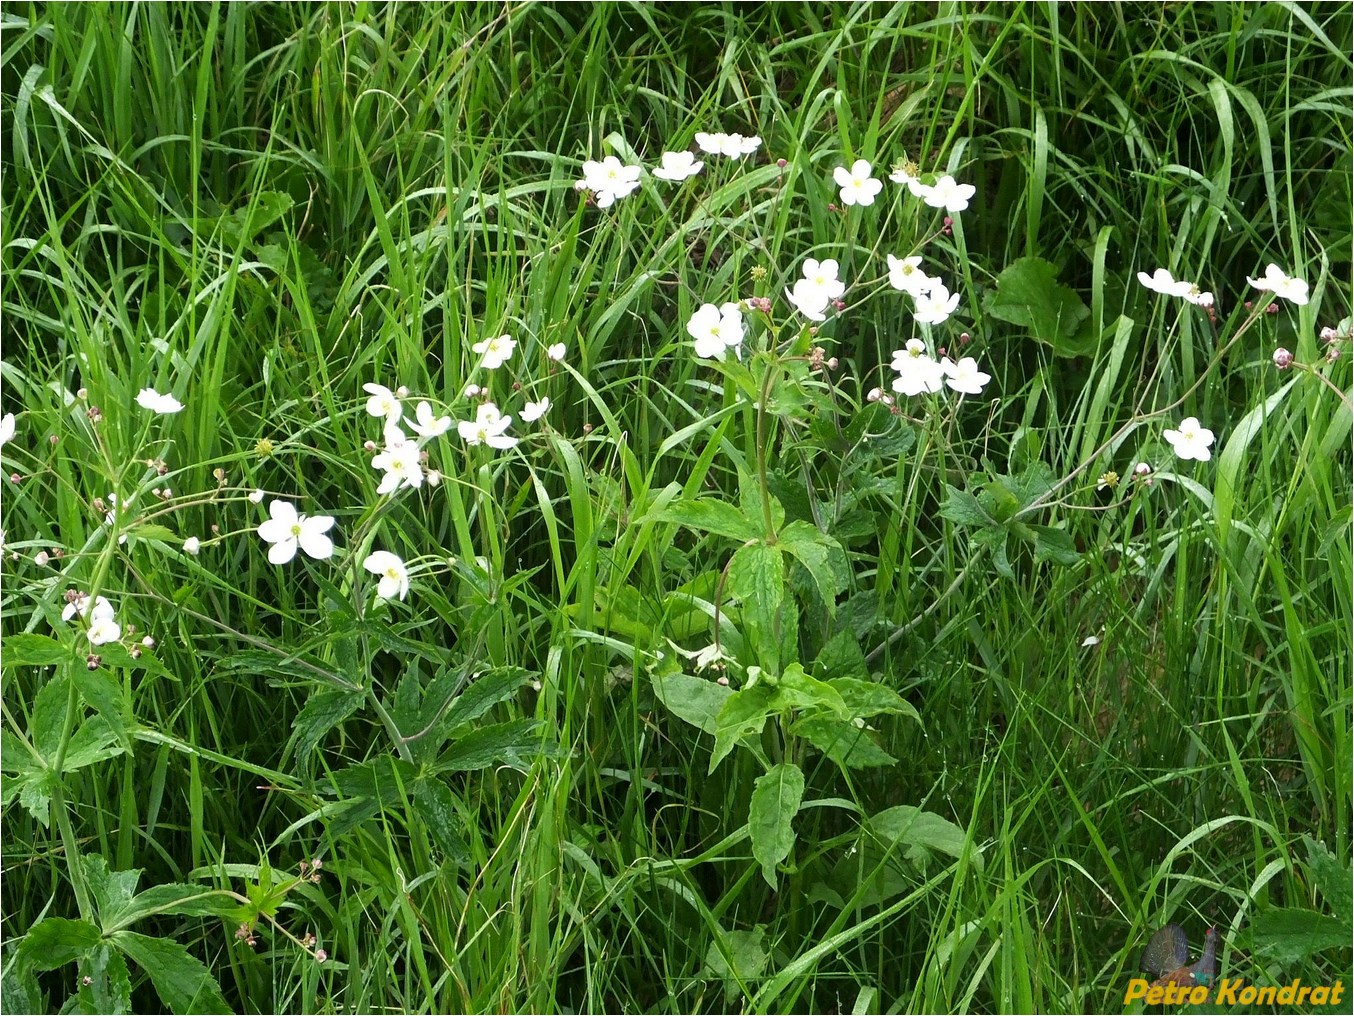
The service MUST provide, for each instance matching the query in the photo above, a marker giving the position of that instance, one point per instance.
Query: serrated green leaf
(743, 713)
(55, 941)
(102, 693)
(1332, 878)
(1028, 293)
(322, 712)
(93, 741)
(516, 743)
(110, 984)
(30, 650)
(693, 699)
(995, 541)
(842, 741)
(917, 834)
(709, 515)
(757, 581)
(1054, 545)
(997, 501)
(867, 698)
(841, 656)
(775, 802)
(182, 981)
(814, 550)
(112, 890)
(1290, 936)
(35, 793)
(797, 690)
(483, 693)
(183, 899)
(736, 957)
(963, 509)
(435, 805)
(49, 716)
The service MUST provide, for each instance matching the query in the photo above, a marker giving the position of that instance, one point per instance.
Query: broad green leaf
(693, 699)
(516, 744)
(112, 890)
(49, 716)
(775, 803)
(743, 713)
(841, 656)
(708, 515)
(1290, 936)
(750, 501)
(995, 540)
(435, 806)
(736, 957)
(35, 793)
(814, 550)
(28, 650)
(183, 899)
(963, 509)
(757, 580)
(998, 501)
(917, 834)
(181, 980)
(322, 712)
(1332, 878)
(797, 690)
(1054, 545)
(103, 693)
(109, 990)
(19, 989)
(868, 698)
(93, 741)
(842, 741)
(483, 693)
(55, 941)
(1028, 294)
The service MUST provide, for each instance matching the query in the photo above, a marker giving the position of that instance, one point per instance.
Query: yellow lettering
(1248, 994)
(1155, 994)
(1321, 993)
(1303, 992)
(1137, 988)
(1227, 991)
(1288, 993)
(1336, 992)
(1198, 995)
(1266, 995)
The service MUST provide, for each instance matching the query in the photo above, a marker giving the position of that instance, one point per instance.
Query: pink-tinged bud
(874, 395)
(1329, 334)
(832, 206)
(82, 394)
(949, 221)
(941, 351)
(587, 428)
(1332, 352)
(781, 163)
(832, 363)
(134, 652)
(148, 642)
(53, 440)
(839, 304)
(93, 660)
(402, 392)
(58, 553)
(1283, 359)
(16, 478)
(722, 681)
(321, 956)
(369, 446)
(1247, 305)
(965, 338)
(1273, 308)
(41, 558)
(95, 414)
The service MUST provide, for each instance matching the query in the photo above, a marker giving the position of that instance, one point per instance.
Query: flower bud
(1283, 359)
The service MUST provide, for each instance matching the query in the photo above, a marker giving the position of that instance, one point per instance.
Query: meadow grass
(261, 208)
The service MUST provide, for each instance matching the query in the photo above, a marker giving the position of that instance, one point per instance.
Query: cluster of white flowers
(610, 180)
(1161, 281)
(816, 289)
(716, 330)
(946, 193)
(919, 372)
(98, 615)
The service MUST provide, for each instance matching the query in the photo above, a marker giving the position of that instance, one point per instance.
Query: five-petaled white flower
(906, 274)
(964, 377)
(555, 352)
(947, 194)
(149, 398)
(823, 275)
(677, 166)
(426, 425)
(716, 329)
(103, 630)
(533, 411)
(1191, 441)
(809, 300)
(102, 610)
(857, 186)
(935, 305)
(383, 402)
(401, 465)
(286, 531)
(6, 428)
(917, 371)
(610, 180)
(394, 575)
(496, 351)
(488, 427)
(1278, 282)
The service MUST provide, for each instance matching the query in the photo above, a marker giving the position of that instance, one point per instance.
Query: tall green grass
(263, 207)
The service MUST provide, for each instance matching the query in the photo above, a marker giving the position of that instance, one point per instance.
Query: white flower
(935, 305)
(495, 351)
(394, 576)
(256, 496)
(401, 465)
(677, 166)
(103, 610)
(427, 425)
(711, 144)
(555, 352)
(533, 411)
(6, 427)
(906, 274)
(716, 329)
(809, 299)
(1161, 281)
(610, 180)
(102, 630)
(1277, 281)
(471, 391)
(917, 372)
(906, 174)
(857, 186)
(383, 402)
(488, 427)
(1090, 640)
(286, 531)
(964, 377)
(192, 545)
(947, 194)
(823, 274)
(732, 145)
(392, 436)
(149, 398)
(433, 477)
(1191, 441)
